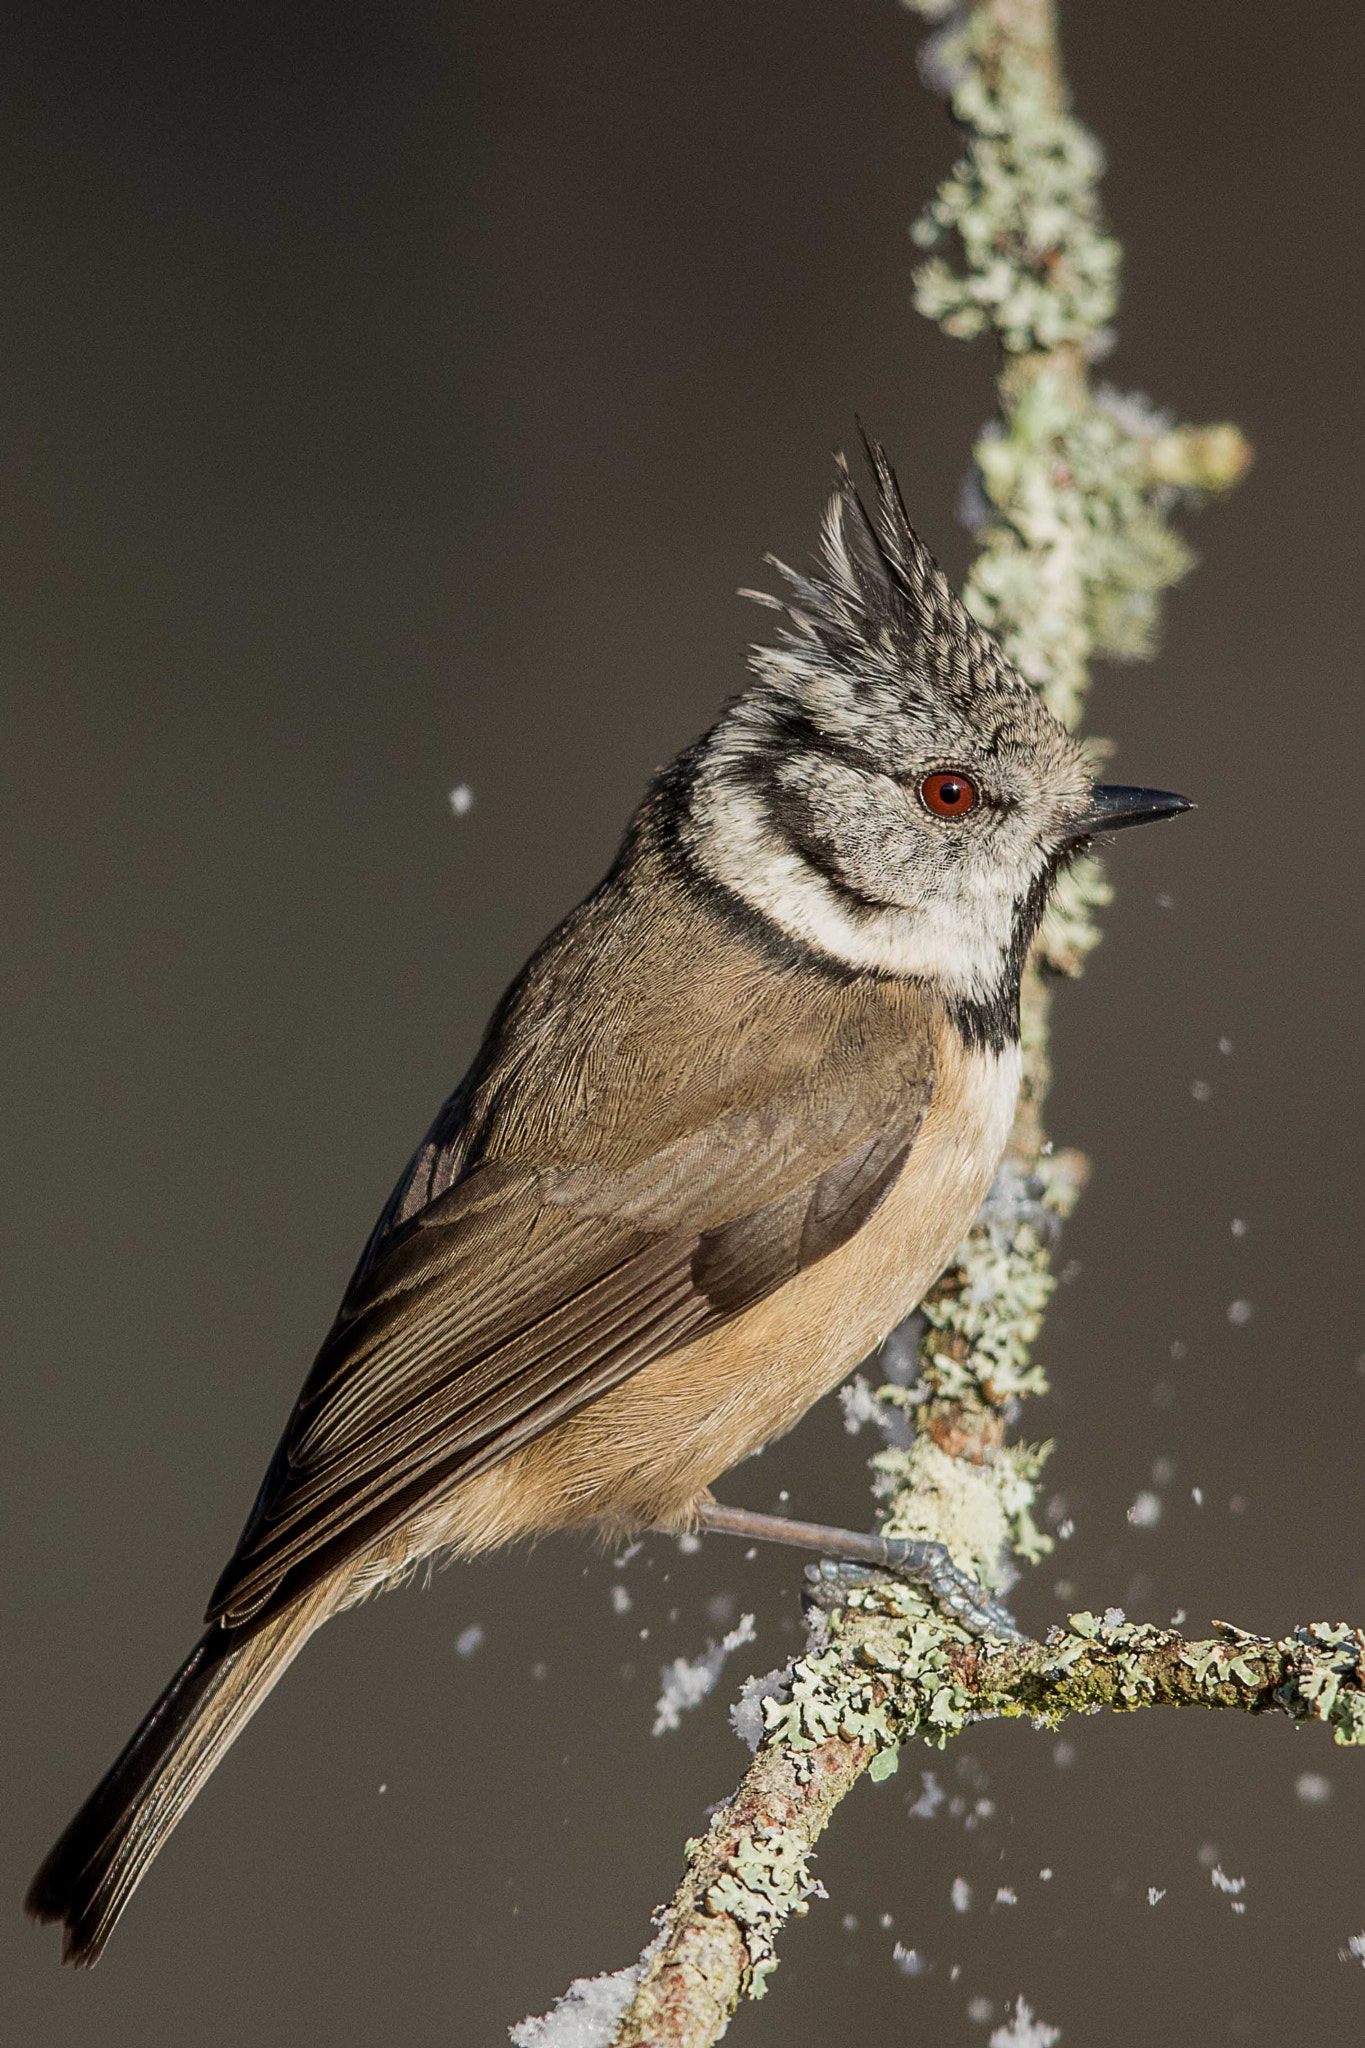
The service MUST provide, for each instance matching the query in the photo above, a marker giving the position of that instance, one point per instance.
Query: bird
(724, 1130)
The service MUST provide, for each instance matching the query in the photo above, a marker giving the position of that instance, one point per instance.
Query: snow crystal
(686, 1682)
(621, 1601)
(961, 1895)
(1145, 1512)
(1240, 1311)
(981, 2010)
(1135, 412)
(1354, 1950)
(585, 2017)
(469, 1639)
(461, 800)
(1154, 1897)
(746, 1715)
(1313, 1788)
(1007, 1896)
(1024, 2031)
(909, 1960)
(860, 1404)
(1223, 1883)
(930, 1799)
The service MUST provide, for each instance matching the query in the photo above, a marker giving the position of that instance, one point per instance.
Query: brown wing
(519, 1295)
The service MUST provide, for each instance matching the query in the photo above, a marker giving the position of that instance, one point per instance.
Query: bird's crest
(876, 610)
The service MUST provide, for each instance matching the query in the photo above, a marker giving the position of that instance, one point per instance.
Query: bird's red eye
(948, 795)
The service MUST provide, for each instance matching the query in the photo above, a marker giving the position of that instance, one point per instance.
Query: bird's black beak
(1113, 805)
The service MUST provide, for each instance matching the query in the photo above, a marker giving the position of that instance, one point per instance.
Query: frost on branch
(585, 2017)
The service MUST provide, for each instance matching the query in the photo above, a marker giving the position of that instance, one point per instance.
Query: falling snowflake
(686, 1681)
(930, 1799)
(1024, 2031)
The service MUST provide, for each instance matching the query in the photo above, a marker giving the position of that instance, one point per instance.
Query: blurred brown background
(391, 398)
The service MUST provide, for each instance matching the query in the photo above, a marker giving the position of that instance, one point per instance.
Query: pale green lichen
(885, 1677)
(1020, 206)
(975, 1357)
(1076, 544)
(1018, 1468)
(1127, 1641)
(994, 1306)
(1076, 487)
(987, 1310)
(944, 1499)
(1329, 1670)
(764, 1881)
(822, 1702)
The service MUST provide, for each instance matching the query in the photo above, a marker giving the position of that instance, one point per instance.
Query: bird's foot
(860, 1557)
(963, 1599)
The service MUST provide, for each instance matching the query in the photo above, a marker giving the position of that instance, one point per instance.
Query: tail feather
(91, 1874)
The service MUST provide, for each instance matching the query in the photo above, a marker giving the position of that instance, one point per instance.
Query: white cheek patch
(963, 947)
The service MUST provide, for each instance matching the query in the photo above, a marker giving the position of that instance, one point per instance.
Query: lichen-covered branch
(884, 1673)
(1071, 496)
(927, 1680)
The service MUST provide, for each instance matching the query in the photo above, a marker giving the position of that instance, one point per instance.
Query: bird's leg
(847, 1553)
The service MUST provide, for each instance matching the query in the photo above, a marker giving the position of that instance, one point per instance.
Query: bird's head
(889, 791)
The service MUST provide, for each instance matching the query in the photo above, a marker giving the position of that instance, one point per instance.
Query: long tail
(91, 1874)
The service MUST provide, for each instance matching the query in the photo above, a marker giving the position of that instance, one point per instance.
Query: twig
(1073, 488)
